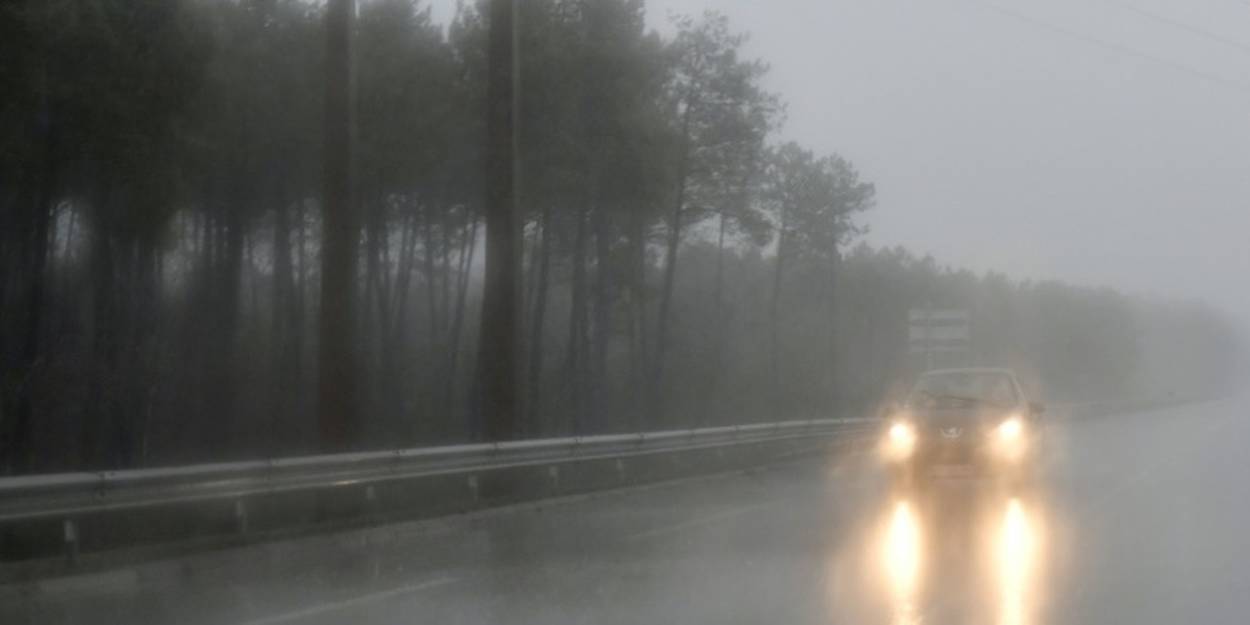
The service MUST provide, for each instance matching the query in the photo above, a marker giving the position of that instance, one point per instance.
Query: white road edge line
(696, 522)
(354, 601)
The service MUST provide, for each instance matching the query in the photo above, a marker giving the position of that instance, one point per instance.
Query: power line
(1183, 26)
(1115, 47)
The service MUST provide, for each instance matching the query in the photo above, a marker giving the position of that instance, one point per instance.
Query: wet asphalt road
(1138, 518)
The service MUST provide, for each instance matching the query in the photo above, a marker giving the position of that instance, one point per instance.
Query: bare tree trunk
(403, 279)
(336, 384)
(145, 377)
(281, 323)
(774, 306)
(298, 313)
(576, 349)
(379, 366)
(232, 426)
(21, 454)
(720, 322)
(639, 357)
(100, 394)
(431, 285)
(403, 270)
(498, 360)
(444, 278)
(835, 394)
(602, 297)
(718, 287)
(670, 274)
(534, 418)
(666, 299)
(467, 250)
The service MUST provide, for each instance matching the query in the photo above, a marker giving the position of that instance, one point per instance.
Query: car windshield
(964, 387)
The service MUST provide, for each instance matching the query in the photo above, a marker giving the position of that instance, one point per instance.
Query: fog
(1099, 142)
(699, 218)
(623, 311)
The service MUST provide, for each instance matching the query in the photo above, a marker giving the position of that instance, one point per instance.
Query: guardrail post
(553, 477)
(70, 532)
(474, 488)
(240, 516)
(620, 470)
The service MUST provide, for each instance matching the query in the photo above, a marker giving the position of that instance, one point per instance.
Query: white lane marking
(354, 601)
(696, 522)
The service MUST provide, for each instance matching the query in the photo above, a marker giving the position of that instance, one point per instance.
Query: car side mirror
(1037, 407)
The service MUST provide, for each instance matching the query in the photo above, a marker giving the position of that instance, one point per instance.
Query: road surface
(1137, 519)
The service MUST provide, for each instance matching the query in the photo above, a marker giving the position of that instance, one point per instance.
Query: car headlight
(900, 441)
(902, 432)
(1011, 428)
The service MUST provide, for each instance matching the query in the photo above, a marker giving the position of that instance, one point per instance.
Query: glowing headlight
(1011, 429)
(902, 433)
(900, 441)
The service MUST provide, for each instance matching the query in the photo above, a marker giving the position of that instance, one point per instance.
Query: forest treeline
(161, 195)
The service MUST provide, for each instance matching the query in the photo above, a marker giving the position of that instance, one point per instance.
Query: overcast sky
(1096, 141)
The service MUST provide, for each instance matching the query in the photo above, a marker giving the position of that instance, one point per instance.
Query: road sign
(939, 334)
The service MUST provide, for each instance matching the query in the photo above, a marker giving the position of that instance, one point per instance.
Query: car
(974, 421)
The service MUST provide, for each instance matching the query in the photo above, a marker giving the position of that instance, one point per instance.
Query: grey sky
(1096, 141)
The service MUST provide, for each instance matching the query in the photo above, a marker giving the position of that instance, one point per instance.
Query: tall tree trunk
(774, 307)
(21, 452)
(835, 395)
(336, 376)
(576, 349)
(602, 298)
(533, 414)
(101, 394)
(431, 283)
(378, 371)
(444, 274)
(234, 430)
(720, 321)
(467, 250)
(639, 357)
(145, 377)
(281, 323)
(497, 343)
(399, 315)
(666, 299)
(403, 275)
(718, 299)
(298, 312)
(670, 273)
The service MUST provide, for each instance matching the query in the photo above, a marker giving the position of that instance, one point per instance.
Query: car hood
(971, 418)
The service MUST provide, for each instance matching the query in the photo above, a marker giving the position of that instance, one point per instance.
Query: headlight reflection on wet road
(1016, 555)
(902, 564)
(915, 539)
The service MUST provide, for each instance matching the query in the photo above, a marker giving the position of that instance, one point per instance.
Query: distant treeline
(160, 236)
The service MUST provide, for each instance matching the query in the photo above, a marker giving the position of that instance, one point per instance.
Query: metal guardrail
(1095, 409)
(64, 498)
(42, 516)
(67, 494)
